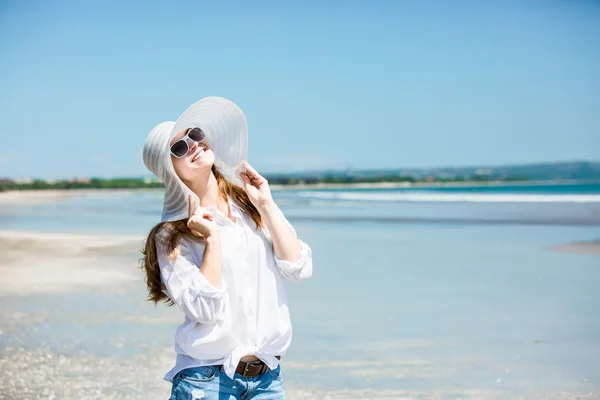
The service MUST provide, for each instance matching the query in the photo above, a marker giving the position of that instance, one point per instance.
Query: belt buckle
(245, 370)
(248, 364)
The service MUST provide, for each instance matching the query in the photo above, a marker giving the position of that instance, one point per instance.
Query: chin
(205, 164)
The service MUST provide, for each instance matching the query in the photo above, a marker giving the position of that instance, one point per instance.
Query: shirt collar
(236, 210)
(222, 219)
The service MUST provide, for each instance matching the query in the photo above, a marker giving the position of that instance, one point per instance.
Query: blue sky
(337, 85)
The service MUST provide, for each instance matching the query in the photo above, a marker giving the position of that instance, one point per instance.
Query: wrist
(213, 238)
(268, 209)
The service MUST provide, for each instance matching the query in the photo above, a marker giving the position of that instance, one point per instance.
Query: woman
(220, 253)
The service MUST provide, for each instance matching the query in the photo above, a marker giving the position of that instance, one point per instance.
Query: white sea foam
(453, 197)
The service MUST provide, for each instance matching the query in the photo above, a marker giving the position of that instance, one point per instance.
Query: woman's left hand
(257, 188)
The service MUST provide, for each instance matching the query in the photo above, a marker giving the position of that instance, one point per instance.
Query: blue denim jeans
(211, 383)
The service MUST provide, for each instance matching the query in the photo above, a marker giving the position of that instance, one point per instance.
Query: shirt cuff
(294, 266)
(200, 286)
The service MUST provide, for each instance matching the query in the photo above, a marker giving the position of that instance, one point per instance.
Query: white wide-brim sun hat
(226, 130)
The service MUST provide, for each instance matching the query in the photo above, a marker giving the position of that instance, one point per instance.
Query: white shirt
(248, 314)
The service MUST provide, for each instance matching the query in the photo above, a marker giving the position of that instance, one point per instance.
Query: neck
(207, 190)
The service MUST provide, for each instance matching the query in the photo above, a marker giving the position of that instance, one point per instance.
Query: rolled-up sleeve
(299, 270)
(189, 289)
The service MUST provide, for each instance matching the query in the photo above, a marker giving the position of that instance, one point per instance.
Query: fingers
(204, 213)
(245, 178)
(194, 209)
(249, 168)
(191, 208)
(247, 182)
(250, 179)
(252, 173)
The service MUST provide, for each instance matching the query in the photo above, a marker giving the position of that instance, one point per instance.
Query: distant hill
(577, 170)
(572, 170)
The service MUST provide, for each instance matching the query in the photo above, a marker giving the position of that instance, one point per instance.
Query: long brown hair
(172, 231)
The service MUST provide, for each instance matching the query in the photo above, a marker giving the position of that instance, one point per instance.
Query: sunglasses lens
(196, 135)
(179, 148)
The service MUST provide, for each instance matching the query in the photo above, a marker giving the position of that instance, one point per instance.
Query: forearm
(211, 261)
(286, 245)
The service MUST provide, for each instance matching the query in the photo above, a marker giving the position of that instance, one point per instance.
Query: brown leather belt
(253, 368)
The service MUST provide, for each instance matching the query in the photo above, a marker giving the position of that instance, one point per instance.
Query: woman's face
(199, 159)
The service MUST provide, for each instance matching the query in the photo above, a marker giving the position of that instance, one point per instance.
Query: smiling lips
(198, 154)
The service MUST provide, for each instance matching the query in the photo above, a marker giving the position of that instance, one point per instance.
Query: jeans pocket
(198, 383)
(199, 374)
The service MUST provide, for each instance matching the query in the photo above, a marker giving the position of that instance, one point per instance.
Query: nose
(192, 144)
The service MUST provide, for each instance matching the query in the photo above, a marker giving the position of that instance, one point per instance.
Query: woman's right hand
(200, 220)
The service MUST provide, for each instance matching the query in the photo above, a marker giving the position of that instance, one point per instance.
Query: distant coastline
(552, 173)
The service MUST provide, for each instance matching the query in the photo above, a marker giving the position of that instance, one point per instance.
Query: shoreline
(59, 193)
(45, 196)
(427, 185)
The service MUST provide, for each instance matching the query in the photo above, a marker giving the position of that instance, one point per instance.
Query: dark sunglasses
(181, 148)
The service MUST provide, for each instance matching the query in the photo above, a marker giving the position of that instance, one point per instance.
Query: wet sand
(34, 263)
(591, 247)
(32, 197)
